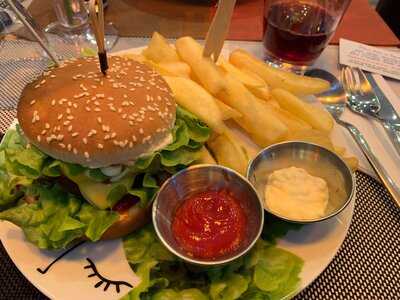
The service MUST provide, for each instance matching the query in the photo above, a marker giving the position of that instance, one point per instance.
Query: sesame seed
(84, 140)
(87, 108)
(43, 81)
(96, 102)
(99, 120)
(59, 117)
(92, 132)
(110, 98)
(75, 151)
(69, 128)
(37, 86)
(131, 123)
(141, 130)
(107, 137)
(113, 135)
(33, 102)
(75, 105)
(125, 96)
(134, 138)
(69, 103)
(124, 116)
(39, 138)
(59, 137)
(69, 147)
(70, 117)
(75, 134)
(97, 109)
(100, 146)
(83, 87)
(47, 125)
(53, 102)
(61, 145)
(86, 155)
(44, 131)
(53, 76)
(66, 123)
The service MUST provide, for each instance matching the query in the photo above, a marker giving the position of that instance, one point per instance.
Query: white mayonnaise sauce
(295, 194)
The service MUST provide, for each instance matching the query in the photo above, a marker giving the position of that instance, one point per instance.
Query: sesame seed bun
(76, 114)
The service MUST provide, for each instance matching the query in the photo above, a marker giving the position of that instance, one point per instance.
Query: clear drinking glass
(72, 25)
(297, 31)
(70, 13)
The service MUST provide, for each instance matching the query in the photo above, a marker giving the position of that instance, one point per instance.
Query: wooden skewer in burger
(97, 24)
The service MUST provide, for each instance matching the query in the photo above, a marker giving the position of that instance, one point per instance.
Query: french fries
(203, 68)
(227, 111)
(316, 117)
(262, 92)
(312, 136)
(259, 120)
(243, 77)
(292, 122)
(159, 50)
(206, 157)
(275, 78)
(179, 68)
(229, 153)
(198, 101)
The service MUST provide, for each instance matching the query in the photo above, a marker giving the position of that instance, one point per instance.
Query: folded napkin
(172, 18)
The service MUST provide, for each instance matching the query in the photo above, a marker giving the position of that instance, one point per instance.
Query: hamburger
(90, 151)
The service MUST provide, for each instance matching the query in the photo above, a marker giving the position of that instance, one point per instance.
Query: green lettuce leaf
(229, 287)
(58, 218)
(265, 273)
(143, 272)
(143, 245)
(277, 272)
(188, 294)
(275, 228)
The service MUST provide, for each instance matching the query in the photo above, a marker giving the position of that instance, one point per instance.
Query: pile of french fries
(241, 92)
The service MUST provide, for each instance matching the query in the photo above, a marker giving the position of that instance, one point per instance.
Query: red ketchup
(210, 224)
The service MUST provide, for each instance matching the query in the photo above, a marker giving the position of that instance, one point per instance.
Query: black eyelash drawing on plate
(91, 265)
(108, 282)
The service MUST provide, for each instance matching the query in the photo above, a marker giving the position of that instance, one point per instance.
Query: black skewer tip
(103, 62)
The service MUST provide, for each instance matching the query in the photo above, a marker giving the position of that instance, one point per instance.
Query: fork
(335, 101)
(363, 101)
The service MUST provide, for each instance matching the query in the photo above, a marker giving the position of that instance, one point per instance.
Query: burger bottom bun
(130, 220)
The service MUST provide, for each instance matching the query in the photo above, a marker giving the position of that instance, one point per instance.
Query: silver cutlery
(334, 101)
(363, 100)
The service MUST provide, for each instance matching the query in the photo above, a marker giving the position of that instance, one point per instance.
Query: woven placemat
(367, 265)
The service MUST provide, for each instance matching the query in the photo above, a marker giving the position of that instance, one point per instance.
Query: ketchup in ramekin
(210, 224)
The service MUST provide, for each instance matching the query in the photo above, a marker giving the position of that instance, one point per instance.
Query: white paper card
(368, 58)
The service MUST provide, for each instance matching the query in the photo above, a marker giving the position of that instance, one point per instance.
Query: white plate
(67, 278)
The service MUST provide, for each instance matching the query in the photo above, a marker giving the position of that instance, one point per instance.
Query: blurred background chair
(389, 10)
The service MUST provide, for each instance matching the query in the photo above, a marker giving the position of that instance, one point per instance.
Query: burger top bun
(76, 114)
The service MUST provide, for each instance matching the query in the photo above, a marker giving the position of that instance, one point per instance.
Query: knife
(389, 117)
(218, 29)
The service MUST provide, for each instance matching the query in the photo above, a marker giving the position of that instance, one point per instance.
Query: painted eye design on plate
(91, 265)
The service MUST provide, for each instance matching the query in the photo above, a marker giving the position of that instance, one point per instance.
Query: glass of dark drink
(297, 31)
